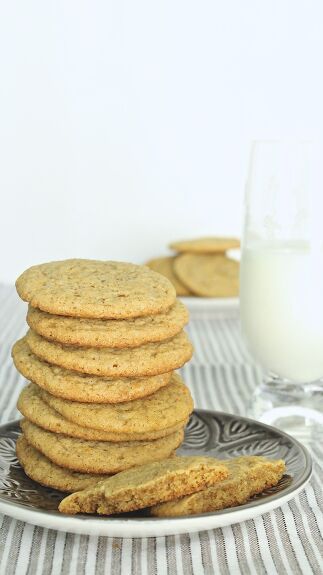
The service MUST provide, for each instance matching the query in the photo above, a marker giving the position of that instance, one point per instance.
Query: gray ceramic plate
(208, 433)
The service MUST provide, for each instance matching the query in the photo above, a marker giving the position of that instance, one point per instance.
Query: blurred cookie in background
(208, 275)
(201, 267)
(165, 266)
(209, 245)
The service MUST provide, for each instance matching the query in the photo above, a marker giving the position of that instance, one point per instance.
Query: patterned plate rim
(295, 486)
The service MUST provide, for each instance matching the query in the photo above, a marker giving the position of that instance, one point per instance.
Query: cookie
(165, 267)
(169, 406)
(95, 289)
(98, 456)
(146, 485)
(45, 472)
(208, 275)
(32, 406)
(247, 477)
(211, 245)
(146, 360)
(80, 386)
(109, 332)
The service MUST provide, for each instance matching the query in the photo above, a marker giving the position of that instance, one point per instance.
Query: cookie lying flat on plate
(208, 275)
(247, 477)
(45, 472)
(165, 266)
(146, 485)
(95, 289)
(32, 406)
(169, 406)
(98, 456)
(209, 245)
(81, 386)
(114, 333)
(146, 360)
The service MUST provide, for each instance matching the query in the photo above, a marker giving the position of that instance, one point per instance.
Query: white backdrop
(126, 124)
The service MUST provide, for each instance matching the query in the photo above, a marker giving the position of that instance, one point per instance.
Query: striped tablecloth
(221, 376)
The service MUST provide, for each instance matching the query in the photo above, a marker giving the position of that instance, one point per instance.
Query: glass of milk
(281, 291)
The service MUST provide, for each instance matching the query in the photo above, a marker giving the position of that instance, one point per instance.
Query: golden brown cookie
(146, 360)
(208, 275)
(45, 472)
(169, 406)
(165, 266)
(95, 289)
(98, 456)
(81, 386)
(210, 245)
(36, 410)
(247, 476)
(116, 333)
(146, 485)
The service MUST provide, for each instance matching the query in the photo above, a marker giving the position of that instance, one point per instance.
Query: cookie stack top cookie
(95, 289)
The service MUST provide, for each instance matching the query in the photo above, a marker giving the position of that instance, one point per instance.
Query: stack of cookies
(201, 267)
(104, 341)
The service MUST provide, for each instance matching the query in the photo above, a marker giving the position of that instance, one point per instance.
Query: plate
(211, 303)
(208, 433)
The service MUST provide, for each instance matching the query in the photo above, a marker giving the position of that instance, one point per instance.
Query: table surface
(221, 376)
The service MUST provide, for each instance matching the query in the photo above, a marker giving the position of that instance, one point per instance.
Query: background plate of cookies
(204, 271)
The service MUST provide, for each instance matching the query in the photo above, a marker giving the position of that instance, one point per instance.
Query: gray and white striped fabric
(221, 376)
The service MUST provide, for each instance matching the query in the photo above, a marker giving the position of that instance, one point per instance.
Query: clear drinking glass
(281, 289)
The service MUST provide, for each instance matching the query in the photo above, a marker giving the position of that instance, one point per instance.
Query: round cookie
(36, 410)
(209, 275)
(114, 333)
(80, 386)
(146, 360)
(95, 289)
(41, 469)
(169, 406)
(98, 456)
(210, 245)
(165, 266)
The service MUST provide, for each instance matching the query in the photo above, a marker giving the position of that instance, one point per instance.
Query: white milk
(282, 309)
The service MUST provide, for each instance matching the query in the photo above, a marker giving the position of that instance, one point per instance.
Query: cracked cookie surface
(248, 475)
(146, 485)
